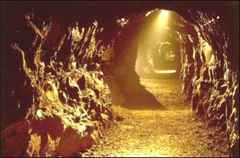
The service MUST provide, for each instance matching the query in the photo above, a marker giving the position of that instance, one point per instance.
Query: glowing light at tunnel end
(163, 18)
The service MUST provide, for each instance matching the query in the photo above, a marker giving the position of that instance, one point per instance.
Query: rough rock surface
(209, 80)
(71, 102)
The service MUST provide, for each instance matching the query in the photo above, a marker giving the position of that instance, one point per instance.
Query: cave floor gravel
(147, 132)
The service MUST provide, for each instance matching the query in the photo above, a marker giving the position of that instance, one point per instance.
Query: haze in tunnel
(166, 48)
(159, 47)
(150, 47)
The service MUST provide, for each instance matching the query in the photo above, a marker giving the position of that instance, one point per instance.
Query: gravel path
(171, 132)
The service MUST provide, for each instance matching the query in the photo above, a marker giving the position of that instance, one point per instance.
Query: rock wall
(71, 101)
(209, 80)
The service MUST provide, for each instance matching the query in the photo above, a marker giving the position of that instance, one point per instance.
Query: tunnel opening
(159, 55)
(162, 44)
(159, 47)
(150, 45)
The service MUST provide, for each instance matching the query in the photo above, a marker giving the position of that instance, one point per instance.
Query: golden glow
(165, 71)
(158, 29)
(150, 12)
(206, 49)
(163, 18)
(138, 154)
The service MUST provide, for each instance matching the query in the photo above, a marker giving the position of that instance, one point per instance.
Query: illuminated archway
(157, 29)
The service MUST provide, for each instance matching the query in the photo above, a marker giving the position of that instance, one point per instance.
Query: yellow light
(165, 71)
(206, 49)
(142, 155)
(163, 18)
(158, 29)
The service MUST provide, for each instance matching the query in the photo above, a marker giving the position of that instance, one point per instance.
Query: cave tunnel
(189, 47)
(169, 85)
(158, 47)
(155, 44)
(151, 48)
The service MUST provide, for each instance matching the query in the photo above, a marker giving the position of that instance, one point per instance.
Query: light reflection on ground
(160, 133)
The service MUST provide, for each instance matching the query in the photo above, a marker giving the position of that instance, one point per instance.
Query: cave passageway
(158, 62)
(175, 131)
(149, 48)
(157, 132)
(159, 49)
(152, 59)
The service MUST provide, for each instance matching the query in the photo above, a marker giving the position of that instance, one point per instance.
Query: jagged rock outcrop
(71, 101)
(213, 85)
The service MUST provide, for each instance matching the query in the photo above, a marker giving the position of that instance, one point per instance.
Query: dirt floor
(171, 132)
